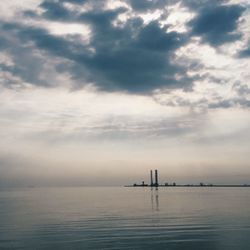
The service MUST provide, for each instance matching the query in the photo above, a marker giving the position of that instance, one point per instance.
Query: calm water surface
(125, 218)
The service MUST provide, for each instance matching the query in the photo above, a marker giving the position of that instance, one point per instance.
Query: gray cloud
(77, 1)
(210, 102)
(55, 10)
(218, 24)
(124, 58)
(142, 5)
(245, 52)
(128, 58)
(215, 22)
(149, 5)
(198, 5)
(133, 57)
(26, 65)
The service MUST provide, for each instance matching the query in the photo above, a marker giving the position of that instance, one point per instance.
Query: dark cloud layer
(149, 5)
(245, 52)
(55, 10)
(133, 57)
(217, 25)
(124, 58)
(142, 5)
(128, 58)
(26, 65)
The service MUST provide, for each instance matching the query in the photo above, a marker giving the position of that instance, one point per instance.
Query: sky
(98, 92)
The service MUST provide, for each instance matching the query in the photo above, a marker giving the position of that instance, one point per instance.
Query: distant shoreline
(188, 185)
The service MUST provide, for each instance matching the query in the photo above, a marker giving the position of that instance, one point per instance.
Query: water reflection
(155, 199)
(121, 218)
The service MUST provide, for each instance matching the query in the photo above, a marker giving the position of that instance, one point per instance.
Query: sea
(171, 218)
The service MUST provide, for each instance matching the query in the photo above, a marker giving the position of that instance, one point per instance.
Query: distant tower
(151, 178)
(156, 178)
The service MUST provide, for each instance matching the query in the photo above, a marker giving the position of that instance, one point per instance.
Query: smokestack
(151, 178)
(156, 178)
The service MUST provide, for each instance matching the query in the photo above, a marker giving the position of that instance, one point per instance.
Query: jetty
(154, 182)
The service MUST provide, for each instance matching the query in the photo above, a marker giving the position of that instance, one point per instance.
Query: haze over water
(125, 218)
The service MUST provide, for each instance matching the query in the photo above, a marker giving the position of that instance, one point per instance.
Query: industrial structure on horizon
(154, 182)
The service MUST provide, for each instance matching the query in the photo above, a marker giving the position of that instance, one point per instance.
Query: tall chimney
(156, 178)
(151, 178)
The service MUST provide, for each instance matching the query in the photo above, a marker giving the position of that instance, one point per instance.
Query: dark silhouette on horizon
(155, 183)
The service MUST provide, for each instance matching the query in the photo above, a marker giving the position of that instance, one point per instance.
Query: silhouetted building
(156, 178)
(151, 178)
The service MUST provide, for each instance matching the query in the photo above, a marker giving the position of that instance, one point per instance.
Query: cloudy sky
(98, 92)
